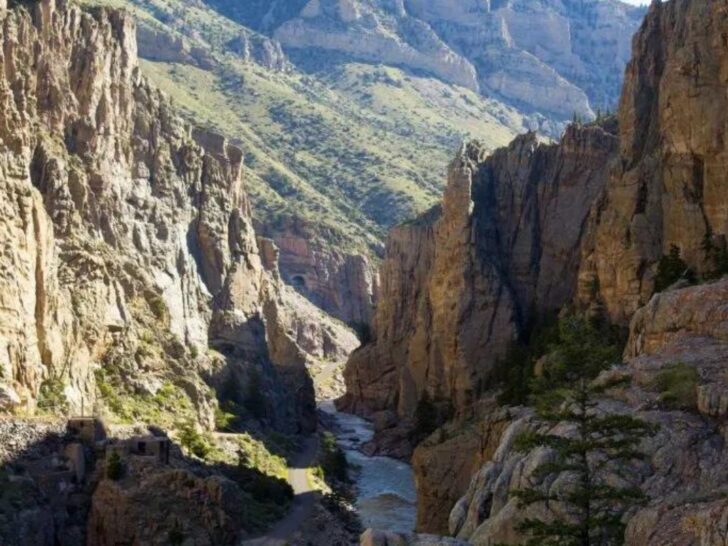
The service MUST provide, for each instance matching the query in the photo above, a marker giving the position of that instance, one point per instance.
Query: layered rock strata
(342, 284)
(660, 186)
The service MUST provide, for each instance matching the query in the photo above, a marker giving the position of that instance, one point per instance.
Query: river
(386, 497)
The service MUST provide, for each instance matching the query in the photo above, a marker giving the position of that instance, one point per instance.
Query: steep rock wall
(665, 188)
(685, 475)
(127, 242)
(459, 284)
(670, 185)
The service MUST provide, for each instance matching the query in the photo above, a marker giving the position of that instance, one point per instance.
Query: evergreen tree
(671, 269)
(599, 450)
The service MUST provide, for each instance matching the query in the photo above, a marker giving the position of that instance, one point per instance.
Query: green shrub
(114, 467)
(678, 386)
(671, 269)
(224, 420)
(568, 346)
(157, 306)
(580, 347)
(194, 442)
(52, 398)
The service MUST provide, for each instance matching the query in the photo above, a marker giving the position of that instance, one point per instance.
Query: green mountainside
(352, 150)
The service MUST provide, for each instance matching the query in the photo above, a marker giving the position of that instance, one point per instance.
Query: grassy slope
(354, 149)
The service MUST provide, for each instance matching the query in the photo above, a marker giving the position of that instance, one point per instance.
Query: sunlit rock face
(670, 186)
(126, 235)
(654, 180)
(460, 283)
(547, 56)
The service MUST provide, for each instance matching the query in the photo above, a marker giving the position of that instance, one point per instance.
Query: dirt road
(303, 502)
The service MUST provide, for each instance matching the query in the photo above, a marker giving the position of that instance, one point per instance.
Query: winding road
(303, 502)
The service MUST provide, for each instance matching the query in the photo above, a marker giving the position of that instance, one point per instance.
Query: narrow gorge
(587, 226)
(217, 326)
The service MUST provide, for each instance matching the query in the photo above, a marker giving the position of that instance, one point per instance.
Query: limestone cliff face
(670, 186)
(341, 284)
(545, 56)
(462, 282)
(686, 470)
(122, 229)
(664, 186)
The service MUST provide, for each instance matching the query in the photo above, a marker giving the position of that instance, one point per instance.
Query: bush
(224, 420)
(157, 306)
(114, 467)
(52, 398)
(678, 386)
(570, 345)
(671, 269)
(194, 442)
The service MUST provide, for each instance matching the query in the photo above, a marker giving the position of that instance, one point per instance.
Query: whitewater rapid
(386, 497)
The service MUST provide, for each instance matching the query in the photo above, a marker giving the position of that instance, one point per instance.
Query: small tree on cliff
(597, 456)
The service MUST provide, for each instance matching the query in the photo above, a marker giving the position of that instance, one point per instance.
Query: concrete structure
(87, 429)
(152, 448)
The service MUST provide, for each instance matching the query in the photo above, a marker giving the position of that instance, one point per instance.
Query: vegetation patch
(52, 398)
(672, 268)
(678, 386)
(334, 465)
(194, 442)
(553, 351)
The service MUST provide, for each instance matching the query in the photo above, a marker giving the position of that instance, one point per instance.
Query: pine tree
(600, 449)
(671, 269)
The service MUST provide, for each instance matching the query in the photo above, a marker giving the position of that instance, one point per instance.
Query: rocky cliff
(128, 247)
(461, 283)
(342, 284)
(561, 57)
(646, 187)
(669, 188)
(684, 476)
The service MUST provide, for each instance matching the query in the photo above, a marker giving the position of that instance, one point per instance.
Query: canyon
(174, 279)
(584, 225)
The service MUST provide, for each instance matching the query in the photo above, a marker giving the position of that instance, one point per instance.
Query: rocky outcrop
(253, 47)
(388, 36)
(669, 188)
(127, 239)
(157, 45)
(686, 477)
(342, 284)
(633, 196)
(462, 282)
(444, 464)
(160, 506)
(547, 56)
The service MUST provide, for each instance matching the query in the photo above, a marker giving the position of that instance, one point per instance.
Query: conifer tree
(597, 453)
